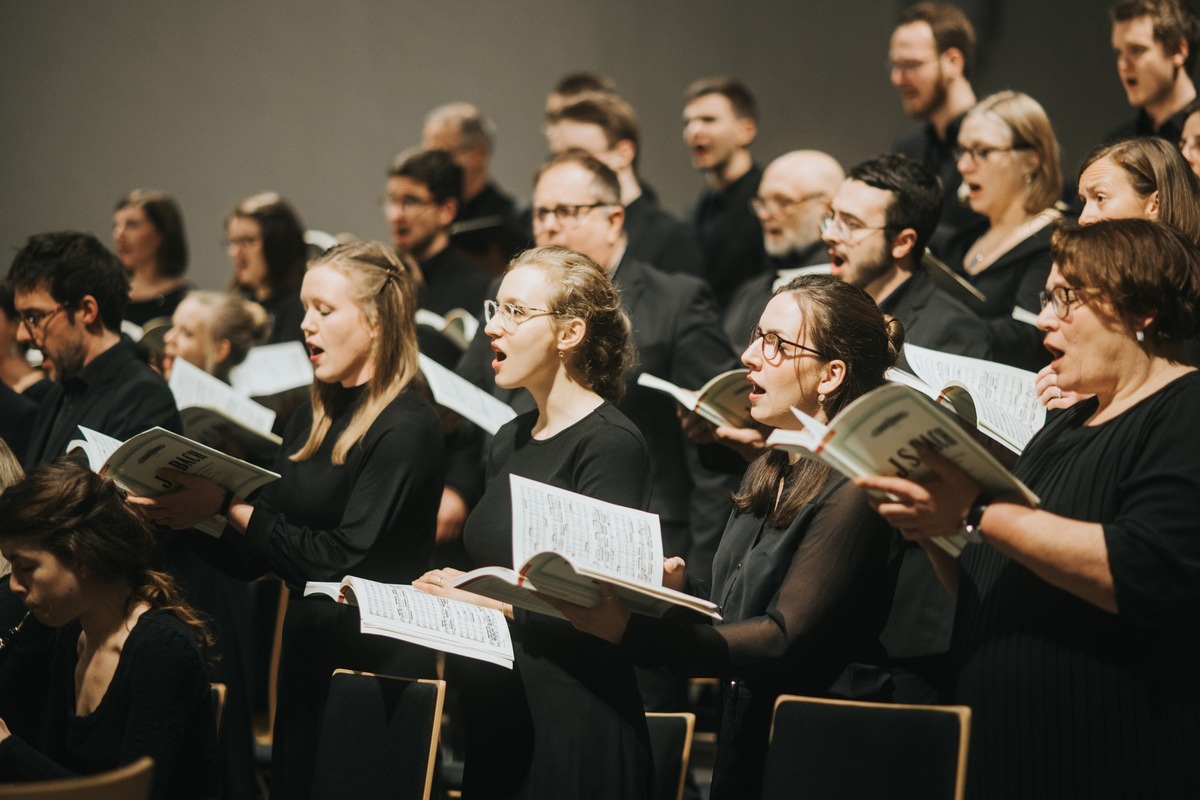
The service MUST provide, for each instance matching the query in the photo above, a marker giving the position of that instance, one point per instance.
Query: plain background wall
(215, 100)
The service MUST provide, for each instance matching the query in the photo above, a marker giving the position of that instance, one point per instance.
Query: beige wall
(213, 101)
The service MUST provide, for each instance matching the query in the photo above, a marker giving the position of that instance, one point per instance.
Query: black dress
(159, 704)
(1015, 279)
(802, 609)
(162, 306)
(373, 517)
(568, 720)
(1069, 700)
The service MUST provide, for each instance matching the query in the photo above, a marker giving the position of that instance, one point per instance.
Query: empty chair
(671, 744)
(379, 737)
(130, 782)
(844, 750)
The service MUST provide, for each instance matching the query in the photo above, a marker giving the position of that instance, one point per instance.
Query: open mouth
(756, 391)
(836, 262)
(314, 352)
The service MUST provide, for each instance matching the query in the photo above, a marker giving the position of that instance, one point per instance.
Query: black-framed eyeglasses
(511, 315)
(1062, 298)
(407, 203)
(771, 342)
(568, 215)
(839, 226)
(781, 205)
(978, 155)
(35, 319)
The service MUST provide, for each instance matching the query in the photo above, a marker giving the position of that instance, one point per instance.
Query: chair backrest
(671, 744)
(219, 690)
(846, 750)
(130, 782)
(379, 737)
(264, 725)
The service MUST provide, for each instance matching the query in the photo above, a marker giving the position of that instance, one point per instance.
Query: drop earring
(821, 400)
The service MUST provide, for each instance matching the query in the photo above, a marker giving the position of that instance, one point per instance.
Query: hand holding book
(931, 510)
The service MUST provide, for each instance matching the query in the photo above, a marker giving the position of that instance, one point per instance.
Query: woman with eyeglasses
(149, 239)
(361, 477)
(568, 720)
(265, 240)
(1142, 178)
(805, 570)
(1078, 623)
(1009, 161)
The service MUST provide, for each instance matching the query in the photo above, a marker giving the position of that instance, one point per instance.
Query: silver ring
(1059, 392)
(439, 581)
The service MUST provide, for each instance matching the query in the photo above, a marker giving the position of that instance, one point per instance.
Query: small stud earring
(820, 399)
(1140, 336)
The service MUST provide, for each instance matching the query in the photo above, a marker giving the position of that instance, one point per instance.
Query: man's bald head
(793, 196)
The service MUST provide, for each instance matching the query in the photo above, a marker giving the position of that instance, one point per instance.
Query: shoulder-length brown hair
(383, 292)
(843, 323)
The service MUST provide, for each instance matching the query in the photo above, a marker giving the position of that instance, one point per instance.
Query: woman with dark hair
(805, 571)
(127, 676)
(1009, 161)
(1078, 622)
(149, 238)
(568, 720)
(265, 238)
(361, 481)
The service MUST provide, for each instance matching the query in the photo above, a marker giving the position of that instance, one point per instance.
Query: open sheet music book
(724, 400)
(1005, 398)
(272, 368)
(216, 415)
(405, 613)
(564, 542)
(465, 398)
(877, 434)
(133, 465)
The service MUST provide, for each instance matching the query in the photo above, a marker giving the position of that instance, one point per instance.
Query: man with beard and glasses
(880, 220)
(792, 199)
(70, 292)
(930, 59)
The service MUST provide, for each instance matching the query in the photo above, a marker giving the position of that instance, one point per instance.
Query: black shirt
(115, 394)
(926, 147)
(933, 319)
(1067, 699)
(1142, 125)
(656, 237)
(487, 231)
(451, 281)
(730, 234)
(139, 312)
(287, 313)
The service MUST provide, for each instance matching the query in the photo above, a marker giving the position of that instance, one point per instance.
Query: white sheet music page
(193, 386)
(464, 398)
(272, 368)
(602, 536)
(1006, 397)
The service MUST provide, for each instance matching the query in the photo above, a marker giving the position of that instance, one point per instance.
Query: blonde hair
(232, 318)
(1030, 129)
(383, 292)
(581, 289)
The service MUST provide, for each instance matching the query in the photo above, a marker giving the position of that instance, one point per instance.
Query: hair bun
(895, 335)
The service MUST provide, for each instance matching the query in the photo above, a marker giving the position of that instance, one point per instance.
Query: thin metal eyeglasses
(34, 320)
(837, 225)
(568, 215)
(771, 341)
(779, 204)
(511, 315)
(978, 155)
(1062, 298)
